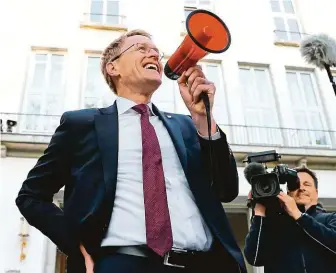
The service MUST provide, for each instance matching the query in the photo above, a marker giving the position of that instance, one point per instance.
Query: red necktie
(158, 227)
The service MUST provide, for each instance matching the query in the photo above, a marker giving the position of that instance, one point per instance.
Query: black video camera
(266, 185)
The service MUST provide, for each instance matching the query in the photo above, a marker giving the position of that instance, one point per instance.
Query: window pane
(213, 73)
(47, 95)
(190, 3)
(315, 121)
(288, 6)
(53, 105)
(41, 58)
(93, 77)
(112, 12)
(91, 102)
(252, 117)
(97, 11)
(164, 96)
(280, 29)
(275, 6)
(187, 12)
(204, 4)
(34, 104)
(300, 120)
(96, 91)
(269, 118)
(247, 86)
(294, 89)
(39, 79)
(308, 89)
(317, 135)
(263, 89)
(56, 73)
(294, 29)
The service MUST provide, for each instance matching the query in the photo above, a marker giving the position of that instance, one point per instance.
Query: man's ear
(112, 69)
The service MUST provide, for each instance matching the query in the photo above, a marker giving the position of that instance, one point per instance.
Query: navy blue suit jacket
(83, 156)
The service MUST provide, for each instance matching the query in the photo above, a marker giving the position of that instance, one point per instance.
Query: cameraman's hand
(259, 210)
(289, 205)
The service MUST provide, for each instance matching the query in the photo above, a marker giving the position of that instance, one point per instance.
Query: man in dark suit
(138, 190)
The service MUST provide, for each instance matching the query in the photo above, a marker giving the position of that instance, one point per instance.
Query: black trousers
(121, 263)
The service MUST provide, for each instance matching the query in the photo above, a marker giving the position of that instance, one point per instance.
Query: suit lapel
(106, 126)
(174, 131)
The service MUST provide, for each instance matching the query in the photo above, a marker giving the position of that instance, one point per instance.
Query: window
(164, 97)
(168, 98)
(44, 92)
(260, 112)
(285, 20)
(106, 12)
(213, 73)
(96, 92)
(190, 5)
(306, 111)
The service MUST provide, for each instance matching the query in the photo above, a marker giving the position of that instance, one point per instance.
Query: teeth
(151, 66)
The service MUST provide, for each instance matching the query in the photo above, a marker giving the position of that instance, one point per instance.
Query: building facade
(267, 97)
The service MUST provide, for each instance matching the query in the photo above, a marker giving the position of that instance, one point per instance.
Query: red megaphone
(207, 33)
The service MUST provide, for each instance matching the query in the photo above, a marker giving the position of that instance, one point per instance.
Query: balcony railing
(104, 19)
(33, 127)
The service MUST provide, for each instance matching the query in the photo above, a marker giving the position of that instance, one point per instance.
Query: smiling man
(138, 191)
(302, 240)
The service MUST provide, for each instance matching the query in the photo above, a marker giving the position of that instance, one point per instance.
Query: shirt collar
(125, 105)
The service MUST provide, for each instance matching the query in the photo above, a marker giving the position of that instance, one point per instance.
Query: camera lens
(266, 187)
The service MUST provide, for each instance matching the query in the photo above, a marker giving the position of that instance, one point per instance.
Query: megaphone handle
(331, 78)
(205, 98)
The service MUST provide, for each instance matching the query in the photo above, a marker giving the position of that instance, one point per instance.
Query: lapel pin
(168, 116)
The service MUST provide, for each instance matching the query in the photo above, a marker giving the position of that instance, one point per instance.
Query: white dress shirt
(127, 225)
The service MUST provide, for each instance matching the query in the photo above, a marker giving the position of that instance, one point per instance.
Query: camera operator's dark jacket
(283, 245)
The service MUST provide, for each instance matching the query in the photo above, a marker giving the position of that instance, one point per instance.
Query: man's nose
(301, 187)
(153, 53)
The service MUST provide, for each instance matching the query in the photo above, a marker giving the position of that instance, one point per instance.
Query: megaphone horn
(207, 33)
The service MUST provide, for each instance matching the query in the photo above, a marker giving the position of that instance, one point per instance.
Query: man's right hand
(259, 210)
(89, 264)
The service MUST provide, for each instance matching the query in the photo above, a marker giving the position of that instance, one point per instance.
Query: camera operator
(302, 239)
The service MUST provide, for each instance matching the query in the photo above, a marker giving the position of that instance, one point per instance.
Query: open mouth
(151, 66)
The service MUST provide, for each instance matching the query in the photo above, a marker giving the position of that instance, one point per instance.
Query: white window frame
(101, 99)
(197, 5)
(104, 16)
(304, 137)
(179, 105)
(261, 134)
(220, 88)
(40, 118)
(286, 16)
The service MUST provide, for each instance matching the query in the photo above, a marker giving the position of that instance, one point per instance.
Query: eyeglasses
(143, 48)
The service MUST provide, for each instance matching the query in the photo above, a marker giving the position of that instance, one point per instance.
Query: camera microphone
(253, 169)
(320, 50)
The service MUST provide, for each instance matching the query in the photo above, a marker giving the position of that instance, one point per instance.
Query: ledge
(88, 25)
(287, 44)
(49, 49)
(33, 146)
